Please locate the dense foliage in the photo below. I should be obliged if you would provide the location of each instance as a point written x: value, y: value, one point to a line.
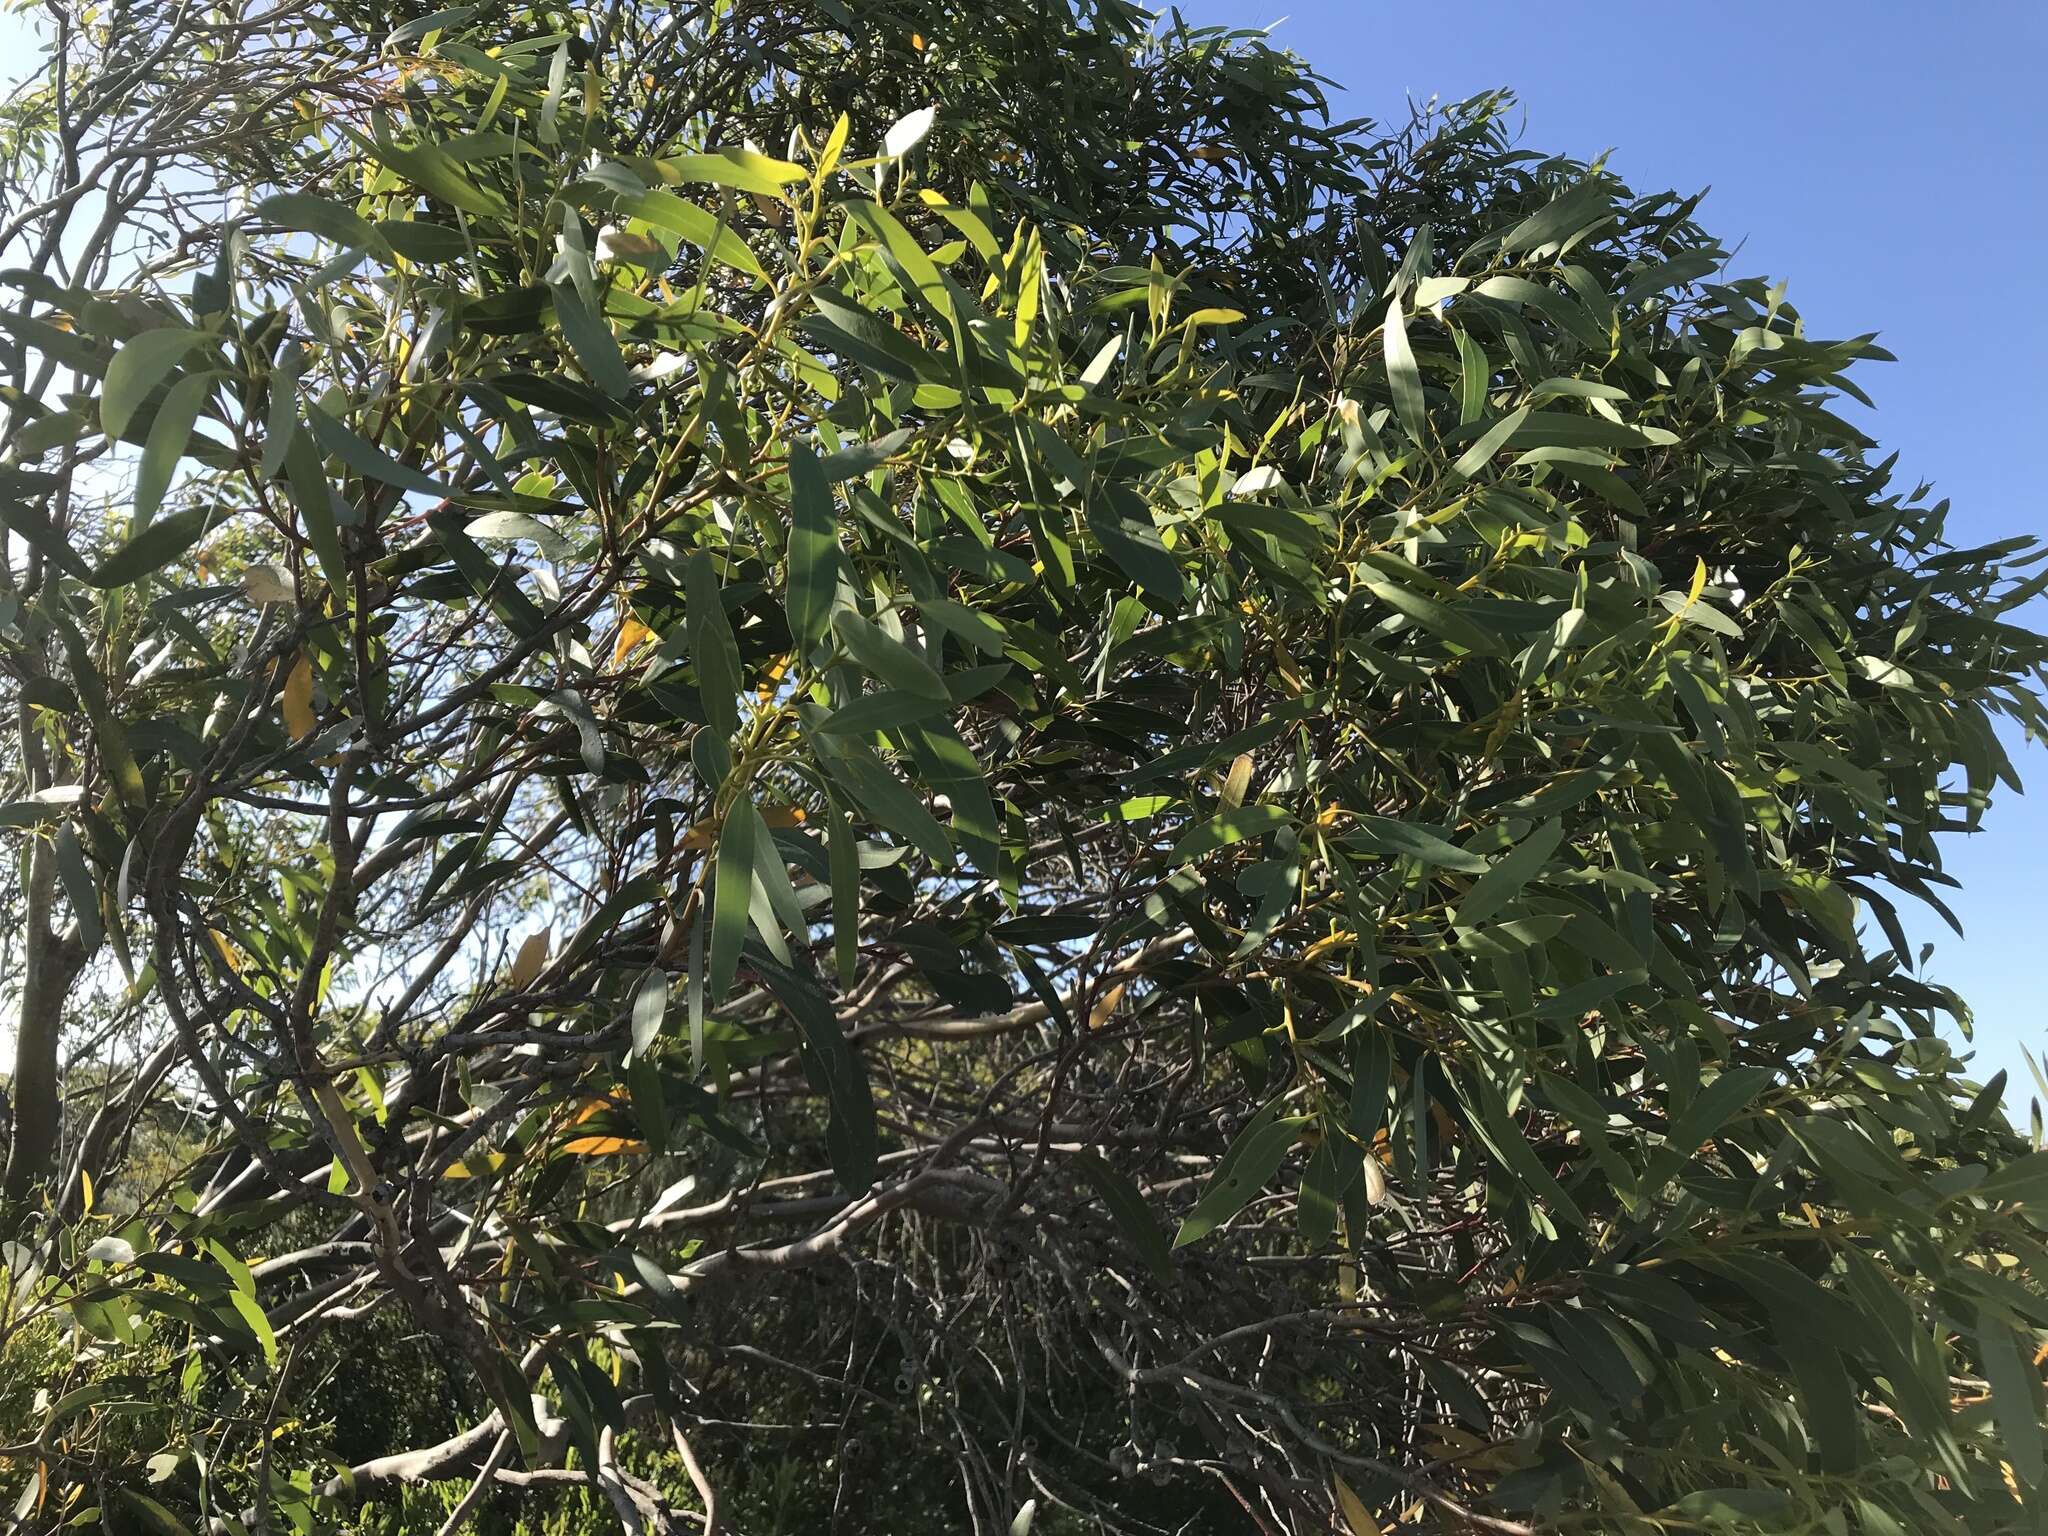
x: 863, y: 764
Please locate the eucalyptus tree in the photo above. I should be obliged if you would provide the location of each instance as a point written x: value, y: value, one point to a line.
x: 880, y: 764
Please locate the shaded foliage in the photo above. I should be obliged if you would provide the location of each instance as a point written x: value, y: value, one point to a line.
x: 896, y: 767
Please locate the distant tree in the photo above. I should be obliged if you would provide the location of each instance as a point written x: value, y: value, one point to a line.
x: 873, y: 765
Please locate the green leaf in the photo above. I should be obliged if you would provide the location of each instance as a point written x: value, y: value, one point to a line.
x: 319, y: 216
x: 41, y: 807
x: 885, y: 710
x: 1590, y: 1118
x: 1405, y: 840
x: 886, y: 658
x: 1748, y: 1508
x: 314, y: 498
x: 366, y: 458
x: 732, y: 894
x: 882, y: 795
x: 153, y: 548
x: 1583, y: 205
x: 282, y: 422
x: 1718, y: 1103
x: 259, y: 1324
x: 1229, y: 826
x: 664, y: 210
x: 83, y: 894
x: 57, y: 430
x: 948, y: 768
x: 650, y: 1007
x: 1481, y: 453
x: 26, y: 521
x: 1119, y: 520
x: 1505, y: 1140
x: 2023, y: 1181
x: 1403, y: 377
x: 815, y: 560
x: 1128, y: 1209
x: 417, y: 240
x: 835, y: 1071
x: 1504, y: 880
x: 596, y: 349
x: 2015, y: 1396
x: 713, y: 650
x: 1475, y: 376
x: 904, y: 250
x: 693, y: 992
x: 137, y: 369
x: 1254, y: 1157
x: 150, y: 1515
x: 168, y: 436
x: 434, y: 171
x: 1435, y: 617
x: 744, y: 170
x: 844, y: 853
x: 571, y: 705
x: 853, y: 333
x: 785, y: 912
x: 1833, y: 1416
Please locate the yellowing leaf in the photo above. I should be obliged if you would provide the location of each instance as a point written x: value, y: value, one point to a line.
x: 1353, y: 1509
x: 1375, y: 1181
x: 297, y: 700
x: 771, y: 679
x: 1239, y: 780
x: 475, y: 1165
x: 783, y: 815
x: 269, y: 584
x: 85, y: 1190
x: 1323, y: 946
x: 1105, y: 1005
x: 228, y: 952
x: 532, y: 956
x: 631, y: 633
x: 603, y: 1146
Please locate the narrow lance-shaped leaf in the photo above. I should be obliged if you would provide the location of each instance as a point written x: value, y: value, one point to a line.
x: 153, y: 548
x: 886, y: 658
x: 596, y: 349
x: 1404, y: 378
x: 1120, y: 1196
x: 1508, y: 874
x: 650, y: 1006
x: 1232, y: 825
x: 1252, y: 1160
x: 732, y: 893
x: 713, y: 651
x: 137, y: 369
x: 814, y: 556
x: 2015, y: 1396
x: 169, y: 434
x: 845, y: 867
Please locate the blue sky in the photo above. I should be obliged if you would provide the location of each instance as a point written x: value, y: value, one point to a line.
x: 1891, y: 161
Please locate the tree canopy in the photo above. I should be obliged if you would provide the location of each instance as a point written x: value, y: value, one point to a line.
x: 881, y: 765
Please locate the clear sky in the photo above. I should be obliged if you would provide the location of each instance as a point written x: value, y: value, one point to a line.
x: 1889, y: 159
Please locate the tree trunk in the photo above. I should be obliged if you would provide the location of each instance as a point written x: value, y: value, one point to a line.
x: 49, y: 968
